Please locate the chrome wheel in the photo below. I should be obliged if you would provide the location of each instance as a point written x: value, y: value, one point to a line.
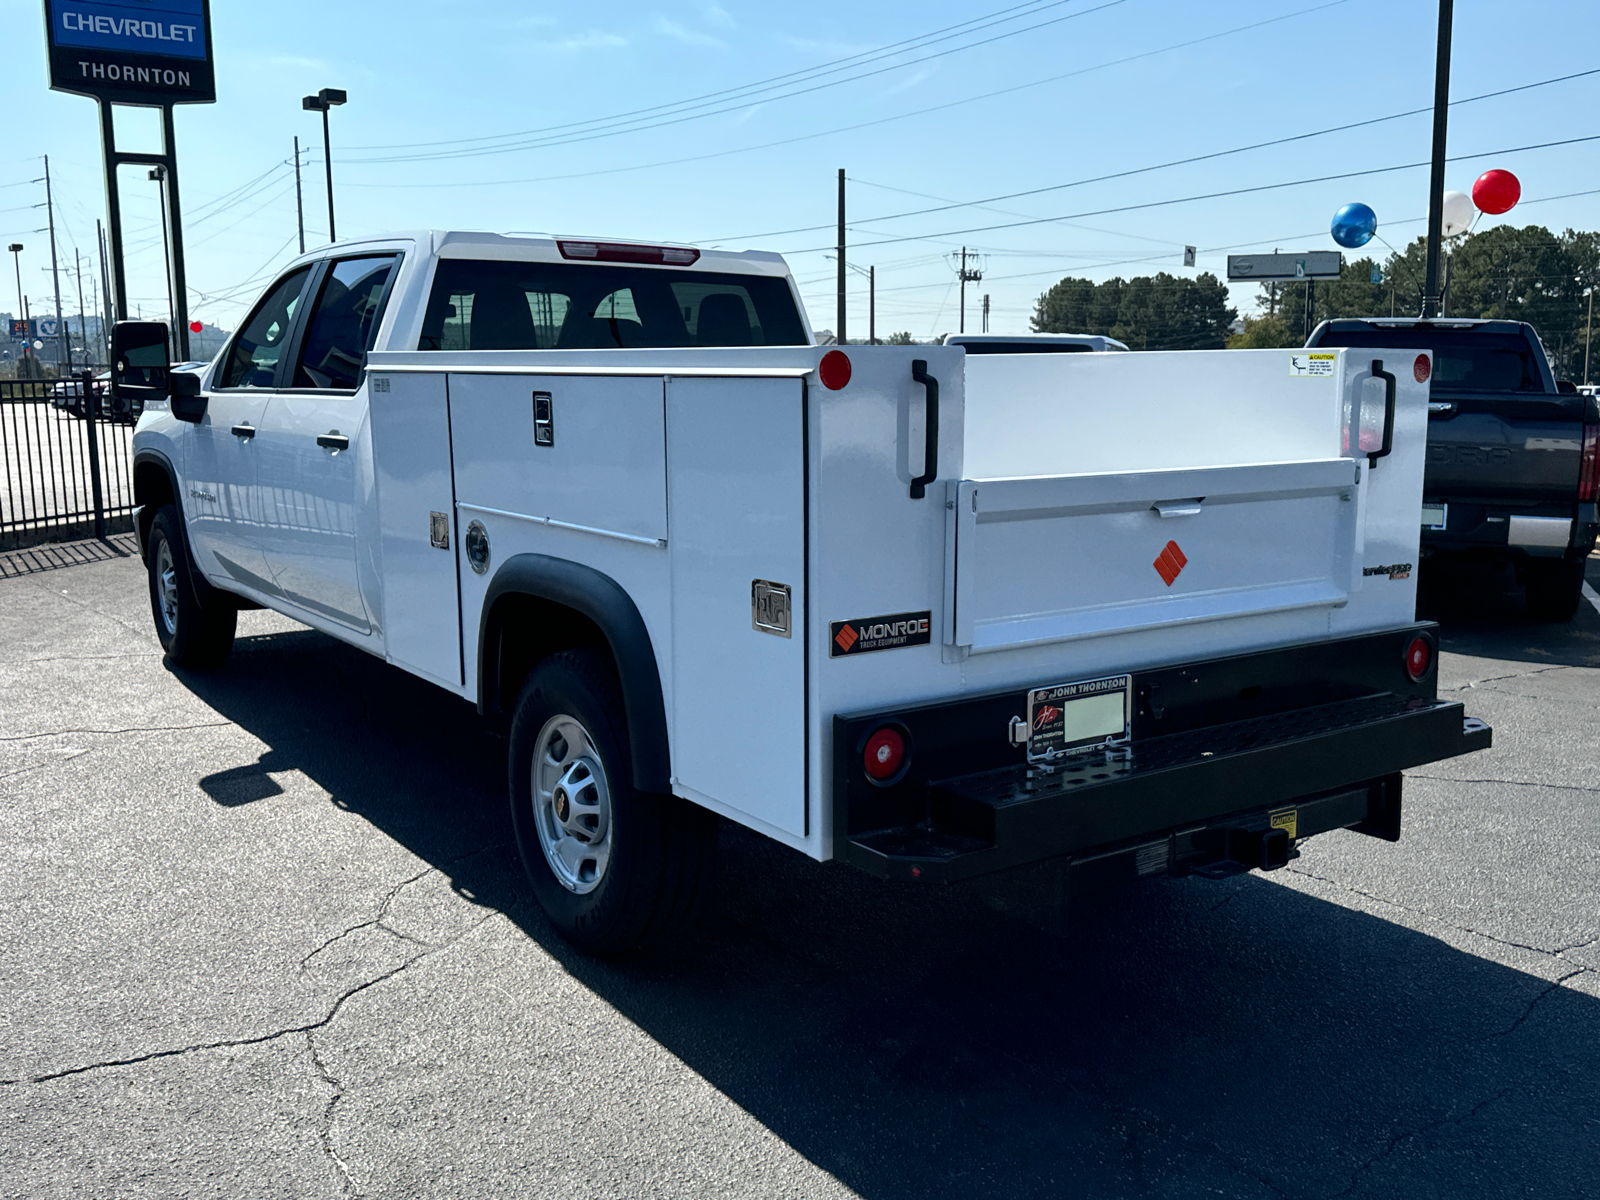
x: 167, y: 586
x: 571, y: 804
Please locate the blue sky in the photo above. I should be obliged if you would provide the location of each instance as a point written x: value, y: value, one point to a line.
x: 438, y: 80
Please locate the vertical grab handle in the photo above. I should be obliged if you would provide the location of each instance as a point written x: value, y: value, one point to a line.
x: 1388, y: 413
x: 930, y: 453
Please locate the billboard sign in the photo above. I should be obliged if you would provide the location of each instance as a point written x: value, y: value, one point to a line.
x: 151, y: 52
x: 20, y: 330
x: 1269, y: 268
x: 48, y: 327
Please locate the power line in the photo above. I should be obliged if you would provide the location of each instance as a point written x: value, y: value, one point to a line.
x: 984, y: 21
x: 821, y: 133
x: 639, y: 127
x: 1176, y: 162
x: 1244, y: 191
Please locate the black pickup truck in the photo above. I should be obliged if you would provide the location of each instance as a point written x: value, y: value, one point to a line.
x: 1513, y: 453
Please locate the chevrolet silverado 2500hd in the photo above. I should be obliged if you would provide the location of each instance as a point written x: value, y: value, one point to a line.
x: 926, y: 612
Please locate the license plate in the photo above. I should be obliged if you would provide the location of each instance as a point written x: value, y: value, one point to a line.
x: 1434, y: 515
x: 1069, y: 718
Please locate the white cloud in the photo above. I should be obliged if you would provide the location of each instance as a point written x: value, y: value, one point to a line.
x: 678, y: 31
x: 718, y: 16
x: 577, y: 43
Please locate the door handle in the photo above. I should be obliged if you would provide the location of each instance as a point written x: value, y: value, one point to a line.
x: 1388, y: 413
x: 244, y: 431
x: 930, y: 448
x: 1178, y: 508
x: 333, y: 440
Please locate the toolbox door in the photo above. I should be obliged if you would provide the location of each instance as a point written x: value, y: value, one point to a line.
x: 736, y: 505
x: 410, y: 415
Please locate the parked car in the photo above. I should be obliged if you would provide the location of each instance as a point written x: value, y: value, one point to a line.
x: 1513, y: 471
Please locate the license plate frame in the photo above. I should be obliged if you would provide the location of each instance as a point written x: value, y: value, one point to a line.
x: 1066, y: 719
x: 1444, y: 516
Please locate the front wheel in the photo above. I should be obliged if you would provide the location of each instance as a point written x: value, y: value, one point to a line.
x: 1554, y: 588
x: 193, y: 634
x: 615, y: 869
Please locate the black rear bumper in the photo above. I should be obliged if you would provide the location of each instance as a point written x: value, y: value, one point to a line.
x: 1188, y: 793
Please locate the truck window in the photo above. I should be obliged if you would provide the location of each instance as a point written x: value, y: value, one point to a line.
x: 253, y: 357
x: 344, y: 323
x: 581, y: 306
x: 1463, y: 360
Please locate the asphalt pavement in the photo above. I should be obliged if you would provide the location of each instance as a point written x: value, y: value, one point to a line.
x: 265, y: 935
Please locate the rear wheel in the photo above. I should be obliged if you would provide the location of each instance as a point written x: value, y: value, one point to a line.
x: 1554, y: 588
x: 194, y: 634
x: 615, y: 869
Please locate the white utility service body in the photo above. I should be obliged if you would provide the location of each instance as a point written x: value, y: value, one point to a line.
x: 1084, y: 517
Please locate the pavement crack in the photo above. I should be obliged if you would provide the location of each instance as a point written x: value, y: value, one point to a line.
x: 325, y: 1132
x: 1559, y: 787
x: 1428, y: 1127
x: 31, y: 737
x: 1534, y: 1003
x: 1467, y: 687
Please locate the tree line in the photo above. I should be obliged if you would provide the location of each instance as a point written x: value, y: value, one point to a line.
x: 1519, y: 274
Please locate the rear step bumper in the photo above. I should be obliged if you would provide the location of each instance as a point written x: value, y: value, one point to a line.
x: 1207, y: 799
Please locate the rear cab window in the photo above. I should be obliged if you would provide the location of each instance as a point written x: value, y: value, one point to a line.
x: 497, y: 305
x: 1464, y: 360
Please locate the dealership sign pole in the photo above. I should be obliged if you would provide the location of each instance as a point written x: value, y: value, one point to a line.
x: 156, y: 56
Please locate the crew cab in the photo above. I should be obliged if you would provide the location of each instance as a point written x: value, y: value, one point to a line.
x: 1513, y: 470
x: 925, y: 612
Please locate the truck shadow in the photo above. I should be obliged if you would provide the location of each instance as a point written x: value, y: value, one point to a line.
x: 1182, y: 1038
x: 1480, y: 612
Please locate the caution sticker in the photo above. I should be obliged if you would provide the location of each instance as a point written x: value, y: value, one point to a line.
x: 1314, y: 366
x: 1287, y: 819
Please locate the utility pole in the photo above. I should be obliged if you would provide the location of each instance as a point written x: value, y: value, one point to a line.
x: 966, y: 277
x: 16, y: 255
x: 83, y: 319
x: 1588, y: 332
x: 986, y: 312
x: 299, y: 204
x: 108, y: 310
x: 1441, y: 110
x: 872, y: 306
x: 55, y: 267
x: 839, y: 333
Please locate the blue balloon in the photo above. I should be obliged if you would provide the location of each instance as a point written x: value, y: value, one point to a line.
x: 1354, y: 225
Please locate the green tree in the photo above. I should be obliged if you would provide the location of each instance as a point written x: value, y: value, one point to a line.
x: 1159, y: 312
x: 1264, y: 333
x: 903, y: 338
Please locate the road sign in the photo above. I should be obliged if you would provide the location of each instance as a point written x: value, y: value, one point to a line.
x: 48, y: 327
x: 1188, y: 256
x: 19, y: 330
x: 157, y: 53
x: 1267, y: 268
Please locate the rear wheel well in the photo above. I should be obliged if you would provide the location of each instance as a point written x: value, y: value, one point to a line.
x: 522, y: 632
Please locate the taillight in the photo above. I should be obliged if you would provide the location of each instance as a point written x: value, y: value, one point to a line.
x: 1419, y: 658
x: 1589, y: 471
x: 834, y: 370
x: 671, y: 256
x: 884, y: 756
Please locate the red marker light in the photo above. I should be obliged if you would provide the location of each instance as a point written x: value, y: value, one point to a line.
x: 196, y: 326
x: 1419, y: 658
x: 885, y: 752
x: 630, y: 252
x: 1422, y: 368
x: 835, y: 370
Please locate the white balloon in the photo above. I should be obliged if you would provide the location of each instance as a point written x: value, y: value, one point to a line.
x: 1459, y: 211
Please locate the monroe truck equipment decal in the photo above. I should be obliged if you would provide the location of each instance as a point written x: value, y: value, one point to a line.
x: 881, y: 633
x: 1171, y: 563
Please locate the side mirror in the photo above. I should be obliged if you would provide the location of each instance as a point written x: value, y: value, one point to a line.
x: 139, y: 362
x: 1566, y: 387
x: 187, y: 402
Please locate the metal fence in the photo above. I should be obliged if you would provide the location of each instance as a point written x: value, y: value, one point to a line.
x: 68, y: 462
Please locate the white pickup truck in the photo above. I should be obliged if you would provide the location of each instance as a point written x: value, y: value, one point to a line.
x: 927, y: 612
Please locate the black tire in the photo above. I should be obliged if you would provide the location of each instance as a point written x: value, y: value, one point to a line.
x: 194, y: 634
x: 1554, y: 588
x: 657, y: 850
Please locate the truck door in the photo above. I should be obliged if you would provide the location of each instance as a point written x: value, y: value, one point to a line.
x: 313, y: 449
x: 224, y: 507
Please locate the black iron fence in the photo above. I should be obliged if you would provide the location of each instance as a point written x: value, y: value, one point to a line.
x: 67, y: 462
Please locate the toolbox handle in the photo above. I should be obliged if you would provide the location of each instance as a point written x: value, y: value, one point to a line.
x: 930, y: 453
x: 1388, y: 413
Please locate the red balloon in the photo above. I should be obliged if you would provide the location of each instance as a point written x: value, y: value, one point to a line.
x: 1496, y: 192
x: 196, y: 326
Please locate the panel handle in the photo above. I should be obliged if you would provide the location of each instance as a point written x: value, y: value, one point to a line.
x: 1388, y: 413
x: 930, y: 452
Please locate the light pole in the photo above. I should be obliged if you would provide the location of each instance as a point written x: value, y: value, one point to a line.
x: 16, y: 256
x: 324, y: 100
